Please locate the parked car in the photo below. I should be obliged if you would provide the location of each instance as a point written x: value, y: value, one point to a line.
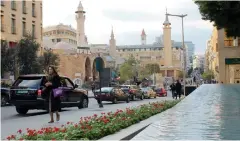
x: 161, y: 92
x: 26, y: 94
x: 4, y: 96
x: 148, y: 92
x: 133, y: 90
x: 111, y: 94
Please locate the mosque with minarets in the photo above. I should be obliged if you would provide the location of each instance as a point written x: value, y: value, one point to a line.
x: 77, y: 56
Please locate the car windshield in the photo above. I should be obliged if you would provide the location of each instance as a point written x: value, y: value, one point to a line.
x: 125, y: 87
x: 144, y: 89
x: 159, y: 90
x: 29, y: 82
x: 105, y: 90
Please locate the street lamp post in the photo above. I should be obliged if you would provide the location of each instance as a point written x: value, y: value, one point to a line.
x: 184, y: 50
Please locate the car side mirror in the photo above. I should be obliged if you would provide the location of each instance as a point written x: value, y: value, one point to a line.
x: 76, y: 86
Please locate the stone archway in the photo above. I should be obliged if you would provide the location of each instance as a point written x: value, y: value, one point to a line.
x: 95, y: 74
x: 87, y: 69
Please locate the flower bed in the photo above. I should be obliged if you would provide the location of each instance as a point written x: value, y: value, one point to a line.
x: 96, y: 127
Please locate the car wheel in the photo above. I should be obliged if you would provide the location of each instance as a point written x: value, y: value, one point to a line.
x: 21, y: 110
x: 142, y: 97
x: 114, y: 100
x: 133, y: 97
x: 155, y: 96
x: 83, y: 103
x: 128, y: 100
x: 4, y: 100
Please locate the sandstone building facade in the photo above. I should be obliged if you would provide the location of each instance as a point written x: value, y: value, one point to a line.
x: 223, y: 57
x: 19, y: 18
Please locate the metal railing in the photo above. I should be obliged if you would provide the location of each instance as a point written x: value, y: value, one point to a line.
x: 228, y: 43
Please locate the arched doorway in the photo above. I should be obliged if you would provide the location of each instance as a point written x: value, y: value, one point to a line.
x: 87, y: 69
x: 95, y: 73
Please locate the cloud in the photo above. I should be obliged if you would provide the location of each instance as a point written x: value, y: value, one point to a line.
x: 131, y: 16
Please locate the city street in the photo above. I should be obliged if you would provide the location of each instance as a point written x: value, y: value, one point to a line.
x: 11, y: 121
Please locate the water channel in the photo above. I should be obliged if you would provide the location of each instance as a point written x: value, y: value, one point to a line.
x: 211, y: 112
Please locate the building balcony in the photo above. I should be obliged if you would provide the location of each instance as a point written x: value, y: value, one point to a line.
x: 2, y: 3
x: 232, y: 43
x: 24, y: 34
x: 34, y: 13
x: 3, y: 28
x: 24, y: 10
x: 13, y: 5
x: 13, y: 30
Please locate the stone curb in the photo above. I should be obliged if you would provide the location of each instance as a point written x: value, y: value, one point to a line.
x: 131, y: 131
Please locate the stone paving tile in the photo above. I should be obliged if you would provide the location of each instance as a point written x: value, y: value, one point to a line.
x: 211, y: 112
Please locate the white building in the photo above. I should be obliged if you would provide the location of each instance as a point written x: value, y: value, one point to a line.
x: 190, y: 49
x: 199, y: 62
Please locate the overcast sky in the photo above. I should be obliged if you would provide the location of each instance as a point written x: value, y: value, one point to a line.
x: 128, y: 18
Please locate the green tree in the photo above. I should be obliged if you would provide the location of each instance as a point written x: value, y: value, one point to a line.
x: 27, y: 49
x: 128, y: 69
x: 180, y: 75
x: 7, y: 58
x: 152, y: 68
x: 126, y: 72
x: 208, y: 75
x: 48, y: 58
x: 224, y: 14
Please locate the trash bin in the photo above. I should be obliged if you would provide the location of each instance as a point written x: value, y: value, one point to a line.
x: 189, y: 89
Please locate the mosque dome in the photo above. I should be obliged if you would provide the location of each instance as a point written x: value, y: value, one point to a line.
x: 63, y: 46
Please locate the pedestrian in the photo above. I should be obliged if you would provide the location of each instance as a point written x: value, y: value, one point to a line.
x: 173, y: 88
x: 178, y: 89
x: 93, y: 86
x: 53, y: 82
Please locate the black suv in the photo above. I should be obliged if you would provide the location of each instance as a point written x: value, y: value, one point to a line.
x: 26, y: 94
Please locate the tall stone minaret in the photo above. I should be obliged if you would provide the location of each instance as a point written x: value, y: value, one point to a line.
x: 112, y: 45
x: 167, y: 42
x: 80, y: 18
x: 143, y: 38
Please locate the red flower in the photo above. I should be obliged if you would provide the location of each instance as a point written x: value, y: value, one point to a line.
x: 95, y: 115
x: 9, y: 138
x: 75, y: 125
x: 68, y: 122
x: 19, y: 131
x: 53, y: 139
x: 13, y: 136
x: 56, y: 129
x: 40, y: 132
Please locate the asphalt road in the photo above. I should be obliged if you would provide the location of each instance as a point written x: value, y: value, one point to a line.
x: 11, y: 121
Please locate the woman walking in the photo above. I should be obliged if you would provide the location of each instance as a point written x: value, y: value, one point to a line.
x: 53, y: 82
